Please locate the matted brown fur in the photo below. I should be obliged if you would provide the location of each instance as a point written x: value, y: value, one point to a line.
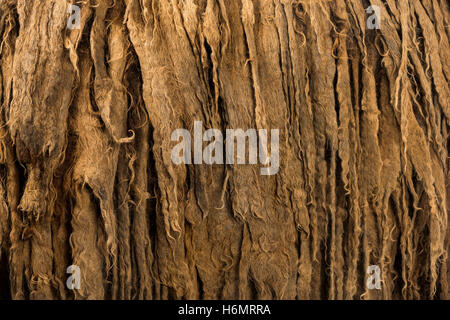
x: 86, y: 176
